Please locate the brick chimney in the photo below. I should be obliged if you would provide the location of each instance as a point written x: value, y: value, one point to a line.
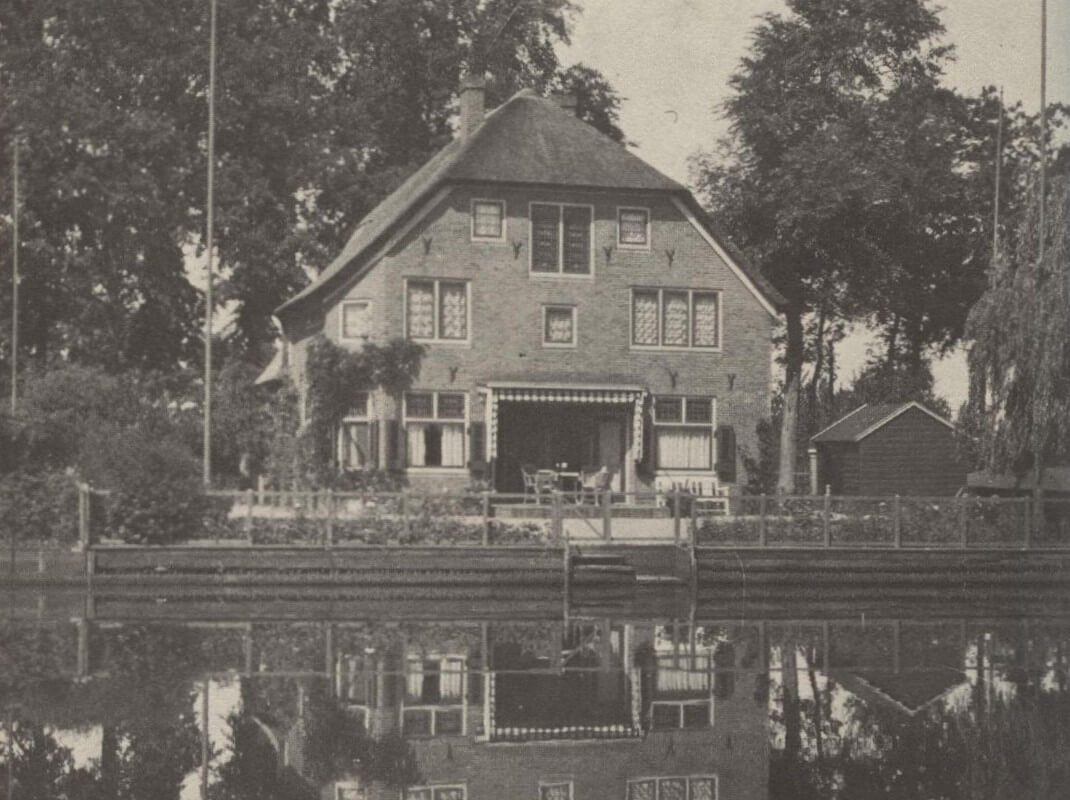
x: 473, y: 98
x: 567, y: 101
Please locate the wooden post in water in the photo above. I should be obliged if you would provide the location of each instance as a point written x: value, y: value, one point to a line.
x: 607, y: 514
x: 897, y: 521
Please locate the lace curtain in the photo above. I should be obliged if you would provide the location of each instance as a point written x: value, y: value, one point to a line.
x: 684, y: 448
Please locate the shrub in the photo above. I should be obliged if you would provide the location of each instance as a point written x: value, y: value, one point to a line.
x: 39, y: 507
x: 155, y: 486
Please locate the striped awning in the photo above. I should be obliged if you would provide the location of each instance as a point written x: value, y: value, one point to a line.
x: 633, y: 395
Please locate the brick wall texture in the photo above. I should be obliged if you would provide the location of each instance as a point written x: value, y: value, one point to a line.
x: 505, y: 338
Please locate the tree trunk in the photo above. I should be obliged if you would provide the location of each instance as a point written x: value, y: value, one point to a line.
x: 819, y: 364
x: 792, y: 712
x: 790, y: 422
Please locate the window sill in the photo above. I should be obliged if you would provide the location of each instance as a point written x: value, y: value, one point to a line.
x: 660, y: 348
x: 480, y: 240
x: 634, y: 248
x: 567, y: 276
x: 437, y: 470
x: 446, y: 342
x: 551, y: 346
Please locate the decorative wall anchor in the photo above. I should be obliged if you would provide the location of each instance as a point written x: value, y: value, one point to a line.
x: 673, y: 375
x: 731, y: 380
x: 453, y: 373
x: 670, y: 254
x: 427, y: 244
x: 608, y: 250
x: 516, y: 248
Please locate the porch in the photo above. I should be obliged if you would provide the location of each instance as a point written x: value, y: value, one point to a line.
x: 571, y: 429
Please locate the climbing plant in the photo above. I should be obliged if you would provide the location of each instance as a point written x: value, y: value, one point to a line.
x: 334, y: 376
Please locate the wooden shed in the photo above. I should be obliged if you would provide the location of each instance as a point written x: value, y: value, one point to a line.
x: 887, y: 449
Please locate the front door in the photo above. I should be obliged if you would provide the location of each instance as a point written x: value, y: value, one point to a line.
x: 611, y: 451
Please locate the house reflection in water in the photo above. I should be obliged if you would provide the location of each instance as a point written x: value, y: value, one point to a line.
x: 595, y: 709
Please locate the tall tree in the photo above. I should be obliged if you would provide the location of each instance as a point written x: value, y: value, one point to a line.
x: 323, y: 106
x: 1020, y: 356
x: 840, y: 171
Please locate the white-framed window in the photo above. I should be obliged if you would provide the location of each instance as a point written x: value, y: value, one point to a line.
x: 437, y: 310
x: 356, y: 436
x: 561, y: 239
x: 350, y: 791
x: 457, y: 791
x: 435, y: 695
x: 633, y: 228
x: 555, y: 790
x: 682, y: 787
x: 488, y: 220
x: 355, y: 320
x: 435, y: 425
x: 559, y: 326
x: 666, y: 715
x: 683, y: 432
x: 676, y: 318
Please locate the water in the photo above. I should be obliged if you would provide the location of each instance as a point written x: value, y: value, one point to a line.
x: 327, y: 697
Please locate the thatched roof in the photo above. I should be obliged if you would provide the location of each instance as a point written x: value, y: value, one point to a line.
x: 528, y: 140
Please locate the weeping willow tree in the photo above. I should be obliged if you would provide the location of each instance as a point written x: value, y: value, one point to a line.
x: 1020, y: 358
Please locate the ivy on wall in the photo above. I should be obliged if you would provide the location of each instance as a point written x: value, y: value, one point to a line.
x: 335, y: 375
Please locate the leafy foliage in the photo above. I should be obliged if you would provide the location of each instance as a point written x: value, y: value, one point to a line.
x: 1020, y: 358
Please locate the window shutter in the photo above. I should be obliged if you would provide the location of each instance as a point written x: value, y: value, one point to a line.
x: 372, y: 462
x: 394, y: 447
x: 476, y: 442
x: 726, y: 453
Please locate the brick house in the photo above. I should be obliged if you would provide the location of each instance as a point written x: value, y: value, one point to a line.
x: 553, y: 722
x: 578, y: 308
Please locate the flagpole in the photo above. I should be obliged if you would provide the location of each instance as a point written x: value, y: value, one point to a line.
x: 207, y: 466
x: 15, y: 277
x: 995, y: 203
x: 1043, y: 121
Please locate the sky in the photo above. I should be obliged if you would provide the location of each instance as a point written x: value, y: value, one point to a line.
x: 671, y: 59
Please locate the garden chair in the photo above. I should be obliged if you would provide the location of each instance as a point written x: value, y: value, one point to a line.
x: 593, y: 482
x: 528, y: 472
x: 545, y: 483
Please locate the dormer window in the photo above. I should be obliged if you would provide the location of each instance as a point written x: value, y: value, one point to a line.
x: 633, y: 228
x: 488, y: 221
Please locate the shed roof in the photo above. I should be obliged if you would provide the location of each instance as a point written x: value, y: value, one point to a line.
x: 868, y: 418
x: 527, y: 140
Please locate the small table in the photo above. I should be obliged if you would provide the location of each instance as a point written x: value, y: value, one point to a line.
x: 568, y: 481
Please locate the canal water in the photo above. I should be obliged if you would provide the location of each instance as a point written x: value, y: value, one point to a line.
x: 306, y: 696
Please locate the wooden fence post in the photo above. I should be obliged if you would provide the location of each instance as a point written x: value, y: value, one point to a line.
x: 404, y: 501
x: 607, y: 514
x: 825, y: 515
x: 963, y: 527
x: 676, y: 514
x: 248, y: 512
x: 694, y: 519
x: 761, y: 520
x: 557, y: 523
x: 486, y: 518
x: 261, y: 486
x: 897, y: 521
x: 83, y: 516
x: 329, y: 530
